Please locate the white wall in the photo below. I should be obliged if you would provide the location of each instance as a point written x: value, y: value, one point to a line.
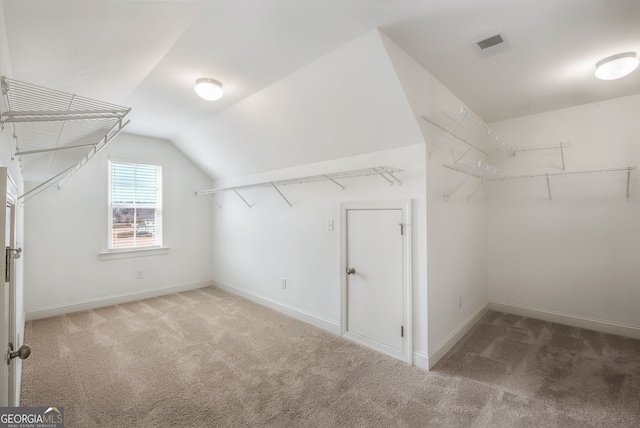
x: 66, y: 230
x: 574, y: 259
x: 254, y: 248
x: 327, y: 107
x: 456, y: 249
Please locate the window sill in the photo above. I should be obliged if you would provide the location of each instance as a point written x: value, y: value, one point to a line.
x: 138, y: 252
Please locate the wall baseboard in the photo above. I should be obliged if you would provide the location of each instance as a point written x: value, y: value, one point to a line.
x: 568, y: 319
x: 421, y: 360
x: 453, y: 338
x: 300, y: 314
x: 50, y: 311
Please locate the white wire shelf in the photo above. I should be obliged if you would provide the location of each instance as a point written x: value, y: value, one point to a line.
x: 479, y: 170
x: 466, y: 128
x: 487, y: 173
x: 56, y: 133
x: 385, y: 172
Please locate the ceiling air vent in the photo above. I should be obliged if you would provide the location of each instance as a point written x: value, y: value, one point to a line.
x: 491, y: 41
x: 493, y: 44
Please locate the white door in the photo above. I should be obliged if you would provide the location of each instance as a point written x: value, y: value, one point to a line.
x: 376, y: 293
x: 8, y: 327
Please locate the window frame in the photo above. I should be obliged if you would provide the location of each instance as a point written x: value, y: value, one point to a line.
x: 158, y: 206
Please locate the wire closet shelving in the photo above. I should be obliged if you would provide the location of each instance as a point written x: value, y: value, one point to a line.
x: 466, y: 129
x: 386, y: 172
x: 56, y: 133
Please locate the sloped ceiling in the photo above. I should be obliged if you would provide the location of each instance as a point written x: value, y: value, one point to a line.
x: 346, y: 103
x: 148, y: 54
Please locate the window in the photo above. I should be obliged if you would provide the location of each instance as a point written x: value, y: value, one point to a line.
x: 135, y: 206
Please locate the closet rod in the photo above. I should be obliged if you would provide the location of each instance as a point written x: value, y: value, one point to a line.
x: 55, y: 113
x: 627, y: 169
x: 558, y: 145
x: 487, y: 173
x: 58, y: 118
x: 384, y: 171
x: 54, y: 149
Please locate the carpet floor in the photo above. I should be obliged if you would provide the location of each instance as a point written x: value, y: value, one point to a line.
x: 205, y: 358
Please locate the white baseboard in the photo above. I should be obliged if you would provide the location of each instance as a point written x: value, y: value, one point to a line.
x: 453, y: 338
x: 421, y: 360
x: 603, y: 326
x: 300, y: 314
x: 83, y: 305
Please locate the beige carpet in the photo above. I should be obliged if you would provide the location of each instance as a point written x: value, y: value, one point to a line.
x: 205, y: 358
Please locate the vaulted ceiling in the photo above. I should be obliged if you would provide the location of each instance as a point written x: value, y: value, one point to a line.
x: 147, y: 54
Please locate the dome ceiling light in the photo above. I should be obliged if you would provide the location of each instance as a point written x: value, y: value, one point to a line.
x: 209, y: 89
x: 617, y: 66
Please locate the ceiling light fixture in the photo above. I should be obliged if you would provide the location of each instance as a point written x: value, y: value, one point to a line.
x: 209, y: 89
x: 616, y: 66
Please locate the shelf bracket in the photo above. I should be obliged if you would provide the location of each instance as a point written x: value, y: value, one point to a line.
x: 43, y: 186
x: 243, y: 199
x: 96, y: 149
x: 562, y: 156
x: 455, y: 161
x: 628, y: 181
x: 467, y: 176
x: 443, y: 139
x: 333, y: 181
x: 394, y: 177
x: 475, y: 191
x: 548, y: 187
x: 381, y: 173
x: 279, y: 192
x: 211, y: 198
x: 221, y: 200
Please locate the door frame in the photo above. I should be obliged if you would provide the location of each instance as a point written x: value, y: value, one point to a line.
x: 407, y: 292
x: 15, y: 366
x: 8, y: 322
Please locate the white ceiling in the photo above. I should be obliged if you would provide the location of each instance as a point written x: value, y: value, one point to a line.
x: 147, y: 54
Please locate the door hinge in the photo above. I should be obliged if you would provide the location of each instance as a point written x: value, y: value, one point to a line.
x: 10, y: 253
x: 401, y: 228
x: 401, y: 331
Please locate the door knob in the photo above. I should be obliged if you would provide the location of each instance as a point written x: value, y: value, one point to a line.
x: 351, y: 271
x: 22, y: 353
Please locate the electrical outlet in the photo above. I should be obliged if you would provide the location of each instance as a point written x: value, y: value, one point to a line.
x: 140, y: 273
x: 459, y: 300
x: 283, y: 283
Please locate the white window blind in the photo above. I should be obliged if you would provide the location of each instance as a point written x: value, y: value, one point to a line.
x: 135, y: 205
